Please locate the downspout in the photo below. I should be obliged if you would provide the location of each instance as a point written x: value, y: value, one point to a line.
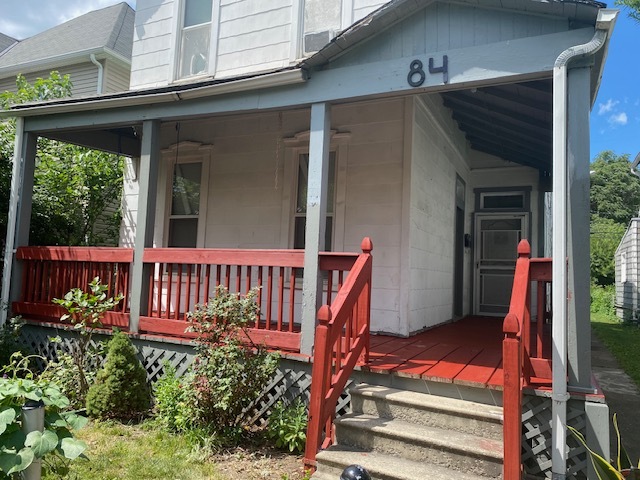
x: 92, y: 57
x: 560, y: 394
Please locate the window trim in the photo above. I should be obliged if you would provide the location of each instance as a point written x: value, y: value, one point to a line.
x: 175, y: 57
x: 294, y: 147
x: 187, y: 152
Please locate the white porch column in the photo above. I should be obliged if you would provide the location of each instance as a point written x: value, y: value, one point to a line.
x: 148, y: 178
x: 316, y: 220
x: 19, y: 217
x: 578, y: 213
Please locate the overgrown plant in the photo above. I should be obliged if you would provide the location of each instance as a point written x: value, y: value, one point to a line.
x: 121, y: 390
x: 85, y: 312
x: 229, y: 372
x: 288, y: 426
x: 10, y: 339
x: 172, y: 411
x: 620, y: 468
x: 55, y: 446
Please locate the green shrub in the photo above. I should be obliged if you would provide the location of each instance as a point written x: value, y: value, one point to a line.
x: 602, y: 299
x: 288, y: 426
x: 229, y: 373
x: 121, y: 390
x: 10, y: 340
x: 171, y: 408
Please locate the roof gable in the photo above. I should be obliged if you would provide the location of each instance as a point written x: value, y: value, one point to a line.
x: 5, y: 42
x: 110, y: 27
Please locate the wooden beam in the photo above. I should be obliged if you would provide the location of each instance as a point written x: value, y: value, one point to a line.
x: 107, y: 141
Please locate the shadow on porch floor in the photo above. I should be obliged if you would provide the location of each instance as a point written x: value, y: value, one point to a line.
x: 467, y: 352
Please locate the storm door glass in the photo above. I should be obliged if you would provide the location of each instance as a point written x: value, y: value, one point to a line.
x: 185, y: 205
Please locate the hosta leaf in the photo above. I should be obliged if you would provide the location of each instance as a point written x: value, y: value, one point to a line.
x: 12, y: 462
x: 41, y: 442
x: 72, y: 447
x: 7, y: 416
x: 75, y: 421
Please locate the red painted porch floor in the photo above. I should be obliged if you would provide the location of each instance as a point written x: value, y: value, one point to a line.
x: 467, y: 352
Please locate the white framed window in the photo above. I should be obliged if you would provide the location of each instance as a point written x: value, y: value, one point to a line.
x: 300, y: 213
x: 183, y: 217
x: 195, y: 33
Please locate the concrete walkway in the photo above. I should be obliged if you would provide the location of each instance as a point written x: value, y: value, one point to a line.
x: 622, y: 396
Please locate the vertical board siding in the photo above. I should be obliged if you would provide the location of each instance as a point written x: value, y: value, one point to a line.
x: 443, y: 26
x: 434, y: 165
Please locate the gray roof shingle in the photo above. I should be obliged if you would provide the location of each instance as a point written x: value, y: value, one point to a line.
x: 110, y: 27
x: 5, y: 42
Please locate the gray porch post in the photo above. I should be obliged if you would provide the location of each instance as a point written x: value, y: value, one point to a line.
x: 578, y: 312
x: 316, y: 220
x: 19, y: 218
x: 148, y: 175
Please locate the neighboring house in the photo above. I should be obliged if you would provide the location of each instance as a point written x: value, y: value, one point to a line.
x: 437, y: 129
x: 93, y: 49
x: 627, y: 257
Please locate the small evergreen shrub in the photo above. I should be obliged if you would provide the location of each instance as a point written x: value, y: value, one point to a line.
x: 121, y: 390
x: 10, y: 340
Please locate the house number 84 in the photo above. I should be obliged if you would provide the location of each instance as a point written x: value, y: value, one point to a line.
x: 417, y: 75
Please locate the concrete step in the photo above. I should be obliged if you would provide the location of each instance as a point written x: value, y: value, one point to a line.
x: 429, y: 410
x: 454, y: 450
x: 331, y: 463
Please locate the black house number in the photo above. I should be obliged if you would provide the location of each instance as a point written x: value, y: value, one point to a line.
x: 417, y: 75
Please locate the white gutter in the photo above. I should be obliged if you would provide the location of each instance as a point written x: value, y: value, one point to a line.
x: 16, y: 180
x: 604, y: 25
x: 277, y: 79
x: 92, y: 57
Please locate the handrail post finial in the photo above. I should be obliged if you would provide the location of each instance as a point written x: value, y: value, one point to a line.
x: 366, y: 245
x: 524, y: 249
x: 325, y: 315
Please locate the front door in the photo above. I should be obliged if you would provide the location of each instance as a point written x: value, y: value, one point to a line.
x: 497, y: 237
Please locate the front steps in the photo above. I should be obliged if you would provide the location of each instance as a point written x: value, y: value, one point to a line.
x: 404, y: 435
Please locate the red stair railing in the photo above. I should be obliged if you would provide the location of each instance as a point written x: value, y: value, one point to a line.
x: 341, y: 341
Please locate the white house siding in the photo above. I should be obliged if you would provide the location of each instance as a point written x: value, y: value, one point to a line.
x: 116, y: 77
x: 84, y: 77
x: 153, y: 43
x: 253, y: 36
x: 438, y: 153
x: 626, y: 297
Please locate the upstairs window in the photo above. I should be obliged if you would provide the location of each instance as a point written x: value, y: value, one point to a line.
x: 195, y: 38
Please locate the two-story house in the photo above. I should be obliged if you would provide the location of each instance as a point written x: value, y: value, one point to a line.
x: 264, y: 134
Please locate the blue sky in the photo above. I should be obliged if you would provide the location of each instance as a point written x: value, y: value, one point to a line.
x: 615, y: 118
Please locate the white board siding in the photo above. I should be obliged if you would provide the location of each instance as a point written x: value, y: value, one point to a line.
x: 84, y: 77
x: 438, y: 153
x: 443, y: 26
x: 116, y: 77
x: 253, y: 36
x: 153, y: 43
x: 362, y: 8
x: 627, y: 300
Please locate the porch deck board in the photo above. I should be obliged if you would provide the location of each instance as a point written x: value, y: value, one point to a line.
x: 467, y: 352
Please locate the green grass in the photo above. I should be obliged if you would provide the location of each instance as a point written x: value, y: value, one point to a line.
x: 124, y: 452
x: 622, y: 340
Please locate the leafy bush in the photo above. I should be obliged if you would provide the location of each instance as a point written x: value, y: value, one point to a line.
x: 55, y: 446
x: 121, y: 390
x: 229, y: 372
x: 602, y: 299
x: 171, y: 409
x: 288, y: 426
x: 10, y: 340
x: 85, y: 312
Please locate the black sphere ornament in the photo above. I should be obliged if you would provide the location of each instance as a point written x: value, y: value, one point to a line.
x: 355, y: 472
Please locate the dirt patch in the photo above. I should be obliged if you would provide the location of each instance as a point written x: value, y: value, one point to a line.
x: 259, y: 463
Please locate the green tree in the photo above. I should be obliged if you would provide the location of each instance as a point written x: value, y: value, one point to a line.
x: 615, y: 191
x: 74, y: 186
x: 633, y: 6
x: 605, y: 237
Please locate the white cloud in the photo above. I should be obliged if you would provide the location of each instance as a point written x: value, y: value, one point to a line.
x: 607, y: 107
x: 618, y: 119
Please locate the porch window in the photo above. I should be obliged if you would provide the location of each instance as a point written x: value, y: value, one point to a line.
x: 195, y: 38
x: 185, y: 205
x: 300, y: 216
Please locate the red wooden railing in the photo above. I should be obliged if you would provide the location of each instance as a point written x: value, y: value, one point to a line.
x: 525, y: 354
x: 183, y: 278
x: 50, y: 272
x: 342, y: 339
x: 180, y: 279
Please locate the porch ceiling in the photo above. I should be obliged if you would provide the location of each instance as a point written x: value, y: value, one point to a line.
x: 513, y: 122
